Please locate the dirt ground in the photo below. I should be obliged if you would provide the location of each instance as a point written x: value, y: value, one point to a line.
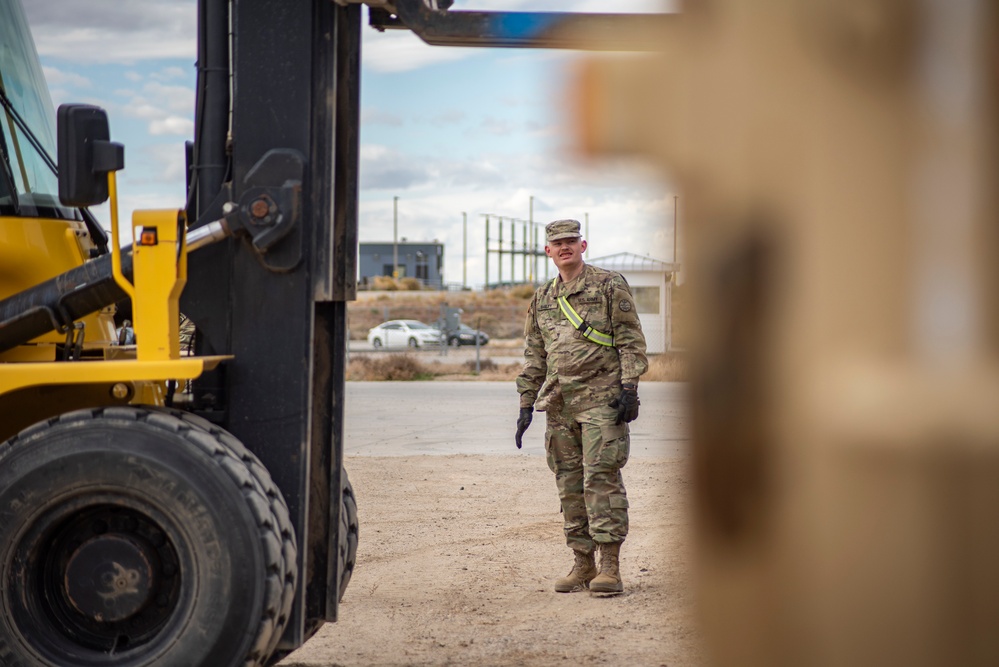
x: 457, y: 557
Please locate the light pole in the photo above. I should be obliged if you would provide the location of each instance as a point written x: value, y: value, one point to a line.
x: 395, y: 237
x: 534, y: 231
x: 486, y: 286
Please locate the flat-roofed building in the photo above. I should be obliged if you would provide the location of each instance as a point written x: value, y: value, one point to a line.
x: 423, y: 260
x: 651, y: 281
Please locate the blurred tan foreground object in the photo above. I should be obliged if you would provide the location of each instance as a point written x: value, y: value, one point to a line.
x: 837, y: 160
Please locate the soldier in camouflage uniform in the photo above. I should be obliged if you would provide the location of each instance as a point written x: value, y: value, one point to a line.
x: 583, y: 358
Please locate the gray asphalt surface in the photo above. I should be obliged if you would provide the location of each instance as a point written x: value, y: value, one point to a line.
x: 407, y: 418
x: 498, y: 354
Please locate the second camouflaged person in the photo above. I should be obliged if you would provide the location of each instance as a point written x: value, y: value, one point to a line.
x: 584, y: 354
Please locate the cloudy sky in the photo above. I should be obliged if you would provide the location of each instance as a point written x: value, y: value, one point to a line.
x: 447, y: 130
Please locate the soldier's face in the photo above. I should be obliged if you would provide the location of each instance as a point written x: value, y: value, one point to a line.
x: 566, y: 253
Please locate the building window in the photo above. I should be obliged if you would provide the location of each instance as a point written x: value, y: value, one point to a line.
x: 647, y: 299
x: 387, y: 270
x: 422, y: 272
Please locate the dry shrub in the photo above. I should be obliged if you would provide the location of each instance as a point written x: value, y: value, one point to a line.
x: 668, y: 367
x: 484, y: 365
x: 410, y: 284
x: 506, y: 372
x: 406, y: 368
x: 508, y: 344
x: 494, y: 297
x: 525, y: 291
x: 397, y: 367
x: 490, y: 372
x: 384, y: 283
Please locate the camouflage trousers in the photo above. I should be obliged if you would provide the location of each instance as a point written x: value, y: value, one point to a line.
x: 586, y: 450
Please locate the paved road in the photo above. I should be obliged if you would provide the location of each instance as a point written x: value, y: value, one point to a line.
x: 498, y: 354
x: 405, y: 418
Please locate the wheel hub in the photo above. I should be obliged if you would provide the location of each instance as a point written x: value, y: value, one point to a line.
x: 109, y: 578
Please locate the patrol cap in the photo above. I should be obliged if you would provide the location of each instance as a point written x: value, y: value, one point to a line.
x: 562, y: 229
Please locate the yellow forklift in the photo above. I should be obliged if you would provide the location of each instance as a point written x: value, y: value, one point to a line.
x: 168, y: 504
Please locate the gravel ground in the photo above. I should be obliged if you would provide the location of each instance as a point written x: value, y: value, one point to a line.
x: 458, y: 551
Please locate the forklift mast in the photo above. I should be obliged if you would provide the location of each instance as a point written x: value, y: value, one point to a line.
x: 291, y: 141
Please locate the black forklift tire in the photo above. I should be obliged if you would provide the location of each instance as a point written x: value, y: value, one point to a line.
x: 348, y: 533
x: 347, y: 555
x: 132, y: 536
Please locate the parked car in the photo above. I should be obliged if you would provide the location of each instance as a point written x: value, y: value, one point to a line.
x: 465, y: 335
x: 403, y: 333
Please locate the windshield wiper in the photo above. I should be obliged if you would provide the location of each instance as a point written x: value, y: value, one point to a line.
x: 7, y: 185
x: 23, y: 126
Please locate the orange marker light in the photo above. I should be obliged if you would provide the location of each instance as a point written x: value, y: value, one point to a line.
x: 148, y: 236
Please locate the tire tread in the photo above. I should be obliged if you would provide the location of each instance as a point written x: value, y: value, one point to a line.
x: 277, y: 534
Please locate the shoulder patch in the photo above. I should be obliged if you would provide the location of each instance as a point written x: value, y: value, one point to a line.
x: 624, y: 305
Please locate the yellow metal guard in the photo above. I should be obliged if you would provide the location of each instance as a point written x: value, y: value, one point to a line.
x: 159, y: 271
x: 159, y: 261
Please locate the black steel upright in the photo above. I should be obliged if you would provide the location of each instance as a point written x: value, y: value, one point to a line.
x: 282, y: 313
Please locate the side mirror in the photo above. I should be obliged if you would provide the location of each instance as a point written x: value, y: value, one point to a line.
x: 85, y: 154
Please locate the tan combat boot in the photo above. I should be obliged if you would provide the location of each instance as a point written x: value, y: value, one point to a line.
x: 584, y: 569
x: 609, y: 579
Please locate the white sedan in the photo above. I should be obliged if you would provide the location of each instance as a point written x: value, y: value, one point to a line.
x: 403, y: 333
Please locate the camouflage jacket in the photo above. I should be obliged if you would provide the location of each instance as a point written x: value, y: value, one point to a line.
x: 560, y: 362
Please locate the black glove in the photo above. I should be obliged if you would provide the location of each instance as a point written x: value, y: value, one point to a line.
x: 523, y: 421
x: 627, y: 404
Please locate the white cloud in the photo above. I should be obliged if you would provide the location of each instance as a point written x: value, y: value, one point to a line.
x: 110, y: 31
x: 373, y: 151
x: 85, y: 45
x: 58, y: 77
x: 384, y: 169
x: 65, y: 95
x: 174, y: 98
x: 449, y: 118
x: 402, y: 51
x: 169, y: 74
x: 172, y: 125
x: 499, y: 127
x: 167, y: 108
x: 371, y: 116
x: 171, y: 165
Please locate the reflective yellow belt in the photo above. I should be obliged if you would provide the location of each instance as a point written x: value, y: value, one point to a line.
x: 581, y: 325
